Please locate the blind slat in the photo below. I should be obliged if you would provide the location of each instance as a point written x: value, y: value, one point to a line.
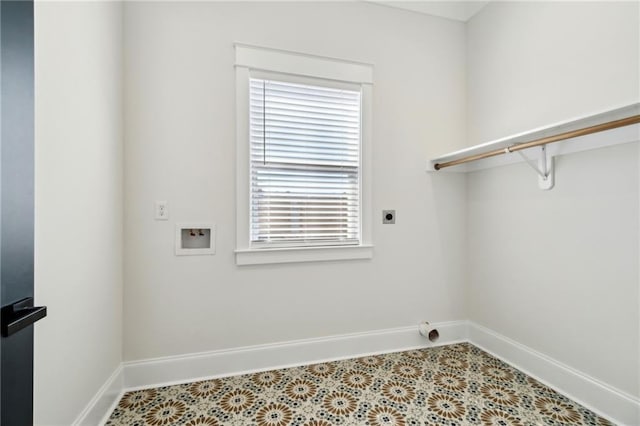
x: 314, y: 198
x: 278, y: 146
x: 257, y: 137
x: 306, y: 127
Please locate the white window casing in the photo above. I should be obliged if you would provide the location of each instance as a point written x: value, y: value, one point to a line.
x: 303, y: 153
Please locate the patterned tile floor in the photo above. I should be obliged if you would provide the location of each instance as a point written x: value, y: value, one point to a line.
x: 451, y: 385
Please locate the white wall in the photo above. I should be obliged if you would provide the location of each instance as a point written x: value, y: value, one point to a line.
x: 558, y: 270
x: 78, y: 204
x: 180, y: 147
x: 532, y: 64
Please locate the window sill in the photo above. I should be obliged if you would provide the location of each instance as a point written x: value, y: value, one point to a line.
x: 302, y: 254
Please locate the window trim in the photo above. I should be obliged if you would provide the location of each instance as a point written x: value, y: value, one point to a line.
x: 251, y: 59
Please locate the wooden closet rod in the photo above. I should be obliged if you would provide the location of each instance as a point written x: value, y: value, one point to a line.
x: 543, y: 141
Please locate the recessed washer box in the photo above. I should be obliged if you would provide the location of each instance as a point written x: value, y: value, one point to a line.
x: 195, y: 239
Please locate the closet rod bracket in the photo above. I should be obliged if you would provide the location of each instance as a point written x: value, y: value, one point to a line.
x: 544, y: 168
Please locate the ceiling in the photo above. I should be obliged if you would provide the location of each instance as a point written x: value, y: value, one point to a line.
x: 452, y: 9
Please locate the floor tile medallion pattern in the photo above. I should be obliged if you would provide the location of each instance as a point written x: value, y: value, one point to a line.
x: 451, y: 385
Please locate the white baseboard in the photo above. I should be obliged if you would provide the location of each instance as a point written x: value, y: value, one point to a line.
x: 103, y: 402
x: 606, y: 401
x: 193, y: 367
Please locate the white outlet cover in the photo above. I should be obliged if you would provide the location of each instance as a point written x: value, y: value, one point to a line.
x: 161, y: 210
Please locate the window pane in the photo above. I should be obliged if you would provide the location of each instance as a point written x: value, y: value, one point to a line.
x: 305, y: 160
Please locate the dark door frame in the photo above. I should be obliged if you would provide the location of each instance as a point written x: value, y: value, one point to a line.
x: 17, y: 212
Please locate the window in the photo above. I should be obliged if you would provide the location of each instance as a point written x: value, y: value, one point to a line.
x: 305, y: 164
x: 303, y: 157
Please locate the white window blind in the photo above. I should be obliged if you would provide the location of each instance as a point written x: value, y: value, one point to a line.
x: 305, y: 164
